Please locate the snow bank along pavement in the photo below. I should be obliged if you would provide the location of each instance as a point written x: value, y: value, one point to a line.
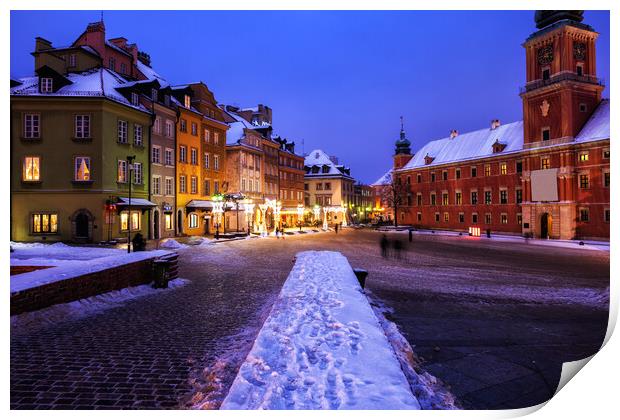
x: 321, y: 347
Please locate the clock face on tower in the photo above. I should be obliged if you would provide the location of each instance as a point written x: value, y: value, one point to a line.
x: 579, y: 51
x: 545, y: 54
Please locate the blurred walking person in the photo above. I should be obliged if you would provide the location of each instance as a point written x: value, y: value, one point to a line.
x: 384, y: 246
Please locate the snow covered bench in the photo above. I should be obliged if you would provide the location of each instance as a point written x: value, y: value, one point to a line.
x: 321, y: 347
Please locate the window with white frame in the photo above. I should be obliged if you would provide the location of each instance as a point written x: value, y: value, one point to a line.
x: 169, y: 157
x: 216, y: 138
x: 216, y: 162
x: 137, y: 134
x: 32, y: 126
x: 194, y: 156
x: 206, y: 160
x: 135, y: 99
x: 81, y: 168
x: 169, y: 186
x: 169, y: 129
x: 156, y: 154
x: 82, y: 126
x: 122, y: 131
x: 157, y: 125
x: 47, y: 85
x: 156, y: 186
x: 487, y: 218
x: 44, y: 222
x: 207, y: 135
x: 121, y: 171
x: 137, y: 173
x: 183, y: 184
x: 193, y: 220
x: 194, y: 185
x: 183, y: 154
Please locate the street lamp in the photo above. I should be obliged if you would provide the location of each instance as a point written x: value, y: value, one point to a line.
x: 276, y: 213
x: 248, y: 207
x: 300, y: 215
x: 218, y: 209
x: 130, y: 160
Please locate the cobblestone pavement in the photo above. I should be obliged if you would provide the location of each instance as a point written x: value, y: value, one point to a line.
x: 148, y: 352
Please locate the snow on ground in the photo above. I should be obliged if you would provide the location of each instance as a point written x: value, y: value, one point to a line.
x: 88, y: 306
x: 574, y: 244
x: 69, y: 262
x: 430, y: 391
x: 171, y: 244
x: 321, y: 347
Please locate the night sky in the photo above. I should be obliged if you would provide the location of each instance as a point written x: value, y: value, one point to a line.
x: 338, y: 80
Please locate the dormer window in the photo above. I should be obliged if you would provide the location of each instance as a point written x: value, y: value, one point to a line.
x: 46, y: 85
x: 134, y: 98
x: 154, y: 95
x: 498, y: 147
x: 123, y: 68
x: 188, y: 101
x: 428, y: 159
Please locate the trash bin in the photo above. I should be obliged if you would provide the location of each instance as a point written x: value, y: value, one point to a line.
x: 488, y: 233
x: 160, y: 274
x: 361, y: 275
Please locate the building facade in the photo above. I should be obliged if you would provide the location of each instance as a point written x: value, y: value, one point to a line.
x: 546, y: 176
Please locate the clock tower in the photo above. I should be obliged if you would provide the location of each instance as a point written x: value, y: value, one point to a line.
x: 561, y: 89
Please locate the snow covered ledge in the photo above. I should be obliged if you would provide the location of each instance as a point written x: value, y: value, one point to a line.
x: 321, y: 347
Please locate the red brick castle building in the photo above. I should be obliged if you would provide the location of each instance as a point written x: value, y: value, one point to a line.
x: 547, y: 175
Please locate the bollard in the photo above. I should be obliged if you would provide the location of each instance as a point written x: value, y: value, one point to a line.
x: 410, y: 235
x: 361, y: 275
x: 488, y: 233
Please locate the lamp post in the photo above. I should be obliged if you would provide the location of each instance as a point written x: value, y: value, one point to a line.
x: 218, y: 209
x: 130, y: 160
x: 300, y: 215
x: 276, y: 214
x: 262, y: 227
x: 317, y: 213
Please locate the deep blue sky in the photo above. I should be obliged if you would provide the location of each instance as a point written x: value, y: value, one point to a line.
x: 338, y: 80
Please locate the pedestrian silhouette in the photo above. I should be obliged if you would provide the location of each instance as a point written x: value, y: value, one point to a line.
x: 336, y: 227
x: 384, y: 246
x: 398, y: 246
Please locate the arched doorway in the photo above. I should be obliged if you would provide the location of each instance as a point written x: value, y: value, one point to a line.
x: 546, y: 223
x: 82, y: 225
x: 156, y: 224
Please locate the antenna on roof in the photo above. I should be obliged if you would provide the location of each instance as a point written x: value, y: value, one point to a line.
x: 102, y: 16
x: 401, y: 123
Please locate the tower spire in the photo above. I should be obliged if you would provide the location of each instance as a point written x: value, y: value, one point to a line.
x: 403, y: 145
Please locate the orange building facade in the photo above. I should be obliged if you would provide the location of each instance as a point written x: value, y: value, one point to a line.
x: 546, y: 176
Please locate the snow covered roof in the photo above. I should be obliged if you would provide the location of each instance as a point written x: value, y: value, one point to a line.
x: 236, y: 132
x: 200, y: 204
x: 149, y: 73
x: 386, y: 179
x: 100, y: 82
x: 319, y: 158
x: 479, y: 144
x: 597, y: 127
x: 138, y: 202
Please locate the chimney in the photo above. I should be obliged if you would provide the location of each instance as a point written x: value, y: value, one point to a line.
x: 495, y: 124
x: 144, y: 58
x: 119, y: 42
x: 454, y: 133
x: 94, y: 36
x: 42, y: 44
x: 133, y: 50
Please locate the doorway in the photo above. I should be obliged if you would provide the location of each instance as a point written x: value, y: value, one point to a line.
x: 81, y: 226
x: 546, y: 224
x: 156, y: 224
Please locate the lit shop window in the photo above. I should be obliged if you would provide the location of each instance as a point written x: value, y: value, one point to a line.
x: 193, y: 220
x: 82, y: 168
x: 168, y: 221
x: 31, y: 168
x: 44, y: 223
x: 135, y: 220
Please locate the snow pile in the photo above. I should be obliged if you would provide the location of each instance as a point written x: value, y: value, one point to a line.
x: 430, y: 391
x: 321, y: 347
x: 171, y: 244
x: 56, y: 254
x: 77, y: 267
x: 85, y: 307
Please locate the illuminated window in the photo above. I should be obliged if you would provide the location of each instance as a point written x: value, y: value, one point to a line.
x: 503, y: 169
x: 487, y: 170
x: 584, y: 156
x: 544, y: 163
x: 519, y: 219
x: 446, y: 217
x: 444, y: 199
x: 135, y: 220
x: 82, y: 126
x: 44, y: 223
x: 121, y: 171
x: 187, y: 101
x: 31, y: 168
x: 82, y: 168
x: 504, y: 218
x: 168, y: 221
x: 458, y: 198
x: 193, y: 220
x: 32, y: 126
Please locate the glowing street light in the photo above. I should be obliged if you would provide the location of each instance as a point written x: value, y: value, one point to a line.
x: 218, y: 209
x: 248, y: 208
x: 300, y: 215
